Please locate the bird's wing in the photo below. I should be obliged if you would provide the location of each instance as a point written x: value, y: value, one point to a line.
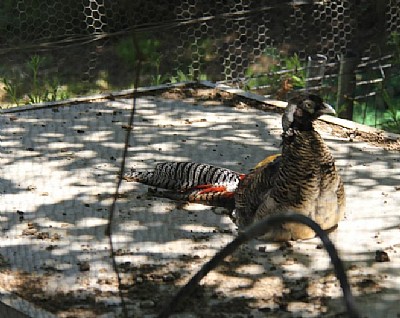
x: 253, y: 188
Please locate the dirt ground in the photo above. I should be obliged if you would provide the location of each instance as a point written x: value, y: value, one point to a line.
x: 58, y: 179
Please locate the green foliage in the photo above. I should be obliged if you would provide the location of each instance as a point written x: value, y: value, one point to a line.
x: 298, y: 77
x: 384, y: 111
x: 149, y: 48
x: 275, y: 71
x: 179, y: 77
x: 33, y: 65
x: 206, y: 49
x: 393, y: 112
x: 129, y: 53
x: 40, y: 90
x: 394, y: 45
x: 186, y: 77
x: 342, y: 108
x: 11, y: 90
x: 151, y: 57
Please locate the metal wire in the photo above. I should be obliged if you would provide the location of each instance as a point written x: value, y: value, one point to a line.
x: 108, y: 231
x: 257, y: 230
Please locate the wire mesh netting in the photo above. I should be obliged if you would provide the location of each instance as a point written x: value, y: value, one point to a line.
x: 258, y: 45
x: 59, y: 164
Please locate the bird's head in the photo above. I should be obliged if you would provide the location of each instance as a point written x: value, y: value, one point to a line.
x: 302, y: 110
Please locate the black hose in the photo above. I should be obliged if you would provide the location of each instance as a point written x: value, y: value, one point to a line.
x: 257, y: 230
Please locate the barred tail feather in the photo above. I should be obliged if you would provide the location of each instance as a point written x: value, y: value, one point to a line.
x: 185, y: 175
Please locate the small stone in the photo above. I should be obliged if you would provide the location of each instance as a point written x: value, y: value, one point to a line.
x: 29, y: 231
x: 381, y: 256
x: 262, y: 249
x: 126, y: 127
x: 43, y: 235
x: 289, y: 261
x: 147, y: 304
x: 56, y: 237
x: 168, y: 278
x: 84, y: 266
x: 285, y: 245
x: 38, y: 296
x: 21, y: 215
x: 139, y: 279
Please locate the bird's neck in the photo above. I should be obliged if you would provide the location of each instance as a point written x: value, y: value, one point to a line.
x: 309, y: 142
x: 306, y: 125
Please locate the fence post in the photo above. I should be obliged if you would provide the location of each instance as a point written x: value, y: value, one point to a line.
x: 346, y: 85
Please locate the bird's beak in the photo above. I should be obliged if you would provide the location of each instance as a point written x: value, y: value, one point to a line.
x: 327, y: 109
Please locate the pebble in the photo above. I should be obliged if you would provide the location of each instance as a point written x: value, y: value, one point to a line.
x: 262, y: 249
x: 139, y: 279
x: 381, y: 256
x: 168, y: 278
x: 30, y: 231
x: 147, y: 304
x: 84, y: 266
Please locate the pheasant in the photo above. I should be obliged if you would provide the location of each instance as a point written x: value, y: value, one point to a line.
x: 303, y: 179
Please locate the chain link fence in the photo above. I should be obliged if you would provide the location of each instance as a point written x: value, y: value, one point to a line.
x: 257, y: 45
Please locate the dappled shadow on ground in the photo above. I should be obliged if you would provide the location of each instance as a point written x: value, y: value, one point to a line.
x: 59, y: 171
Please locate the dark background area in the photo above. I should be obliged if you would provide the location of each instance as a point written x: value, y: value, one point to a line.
x: 64, y: 49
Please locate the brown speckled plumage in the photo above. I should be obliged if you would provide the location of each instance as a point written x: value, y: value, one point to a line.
x: 303, y: 180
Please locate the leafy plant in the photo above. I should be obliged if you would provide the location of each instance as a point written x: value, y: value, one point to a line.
x: 149, y: 48
x: 11, y: 90
x: 276, y: 73
x: 34, y: 64
x: 179, y: 77
x: 190, y: 76
x: 393, y: 112
x: 128, y: 52
x: 394, y: 44
x: 39, y: 90
x: 298, y: 77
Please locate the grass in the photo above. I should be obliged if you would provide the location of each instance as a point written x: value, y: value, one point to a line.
x: 38, y: 89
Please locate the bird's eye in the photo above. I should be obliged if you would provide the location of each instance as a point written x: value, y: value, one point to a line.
x: 309, y: 106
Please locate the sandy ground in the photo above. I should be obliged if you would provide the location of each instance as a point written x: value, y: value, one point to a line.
x: 58, y: 174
